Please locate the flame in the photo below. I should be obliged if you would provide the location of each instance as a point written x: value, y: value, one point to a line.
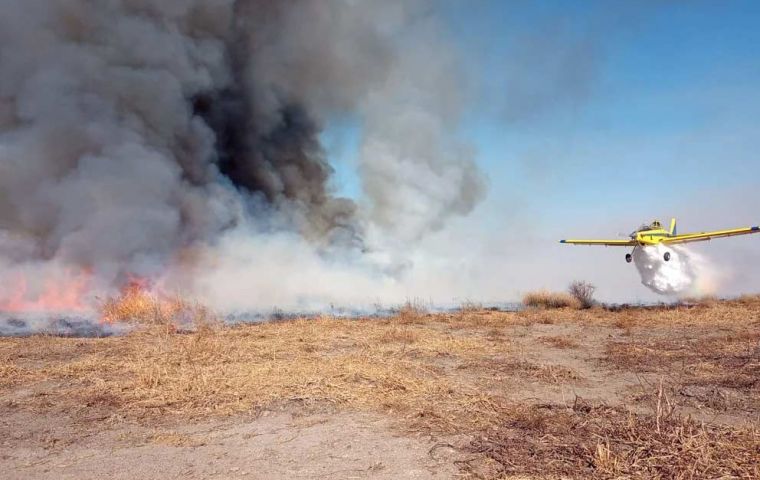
x: 140, y: 300
x: 136, y: 284
x: 63, y: 293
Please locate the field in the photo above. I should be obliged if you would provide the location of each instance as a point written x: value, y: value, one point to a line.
x: 657, y: 392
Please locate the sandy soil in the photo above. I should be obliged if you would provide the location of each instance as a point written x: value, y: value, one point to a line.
x: 276, y: 445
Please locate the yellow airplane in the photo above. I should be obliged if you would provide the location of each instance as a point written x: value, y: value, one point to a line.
x: 654, y: 234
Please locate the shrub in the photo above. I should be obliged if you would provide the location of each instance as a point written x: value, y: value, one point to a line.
x: 468, y: 306
x: 413, y: 311
x: 583, y: 292
x: 546, y: 299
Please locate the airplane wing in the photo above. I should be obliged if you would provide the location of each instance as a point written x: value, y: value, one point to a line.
x: 606, y: 243
x: 703, y: 236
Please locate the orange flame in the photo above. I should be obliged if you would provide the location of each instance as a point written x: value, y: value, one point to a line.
x: 136, y: 283
x: 141, y: 300
x: 60, y: 294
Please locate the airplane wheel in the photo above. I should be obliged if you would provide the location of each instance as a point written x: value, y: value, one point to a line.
x: 628, y: 258
x: 667, y: 256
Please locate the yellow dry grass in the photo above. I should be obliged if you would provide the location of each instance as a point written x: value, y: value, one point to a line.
x: 174, y: 439
x: 596, y: 441
x: 560, y: 342
x: 547, y: 299
x: 364, y: 364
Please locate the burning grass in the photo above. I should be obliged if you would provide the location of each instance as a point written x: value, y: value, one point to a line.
x: 478, y: 373
x: 137, y: 304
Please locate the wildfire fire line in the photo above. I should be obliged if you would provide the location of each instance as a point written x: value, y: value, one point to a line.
x: 64, y: 309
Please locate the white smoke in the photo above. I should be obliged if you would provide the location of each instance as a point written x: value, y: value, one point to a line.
x: 686, y: 273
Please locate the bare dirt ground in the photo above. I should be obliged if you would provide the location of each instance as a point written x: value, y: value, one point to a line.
x: 671, y: 392
x: 275, y: 445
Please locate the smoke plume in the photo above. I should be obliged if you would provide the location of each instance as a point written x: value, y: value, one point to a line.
x: 136, y: 136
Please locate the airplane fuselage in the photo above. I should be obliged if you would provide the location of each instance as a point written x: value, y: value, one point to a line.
x: 651, y: 237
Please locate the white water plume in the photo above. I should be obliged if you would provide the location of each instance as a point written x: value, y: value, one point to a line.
x: 686, y: 274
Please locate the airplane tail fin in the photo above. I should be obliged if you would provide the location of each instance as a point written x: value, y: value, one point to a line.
x: 673, y: 230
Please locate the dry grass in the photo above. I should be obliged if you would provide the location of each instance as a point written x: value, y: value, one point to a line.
x: 137, y: 305
x: 547, y: 299
x: 720, y: 371
x: 174, y: 439
x: 469, y: 306
x: 560, y: 342
x: 366, y: 364
x: 748, y: 300
x: 456, y: 373
x: 399, y: 335
x: 595, y: 441
x: 412, y: 312
x: 704, y: 300
x: 546, y: 372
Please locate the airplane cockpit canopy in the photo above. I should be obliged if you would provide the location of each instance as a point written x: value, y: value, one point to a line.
x: 655, y: 225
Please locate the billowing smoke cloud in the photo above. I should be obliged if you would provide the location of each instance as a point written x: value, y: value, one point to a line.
x: 135, y: 135
x: 687, y: 273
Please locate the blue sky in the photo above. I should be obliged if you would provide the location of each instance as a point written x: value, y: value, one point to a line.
x: 602, y: 115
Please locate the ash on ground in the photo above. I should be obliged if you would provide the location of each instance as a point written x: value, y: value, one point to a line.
x: 59, y: 325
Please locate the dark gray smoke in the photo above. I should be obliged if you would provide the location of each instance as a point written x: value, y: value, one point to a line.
x: 134, y: 130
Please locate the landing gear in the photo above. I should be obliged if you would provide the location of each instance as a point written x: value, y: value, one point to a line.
x: 666, y: 256
x: 629, y: 256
